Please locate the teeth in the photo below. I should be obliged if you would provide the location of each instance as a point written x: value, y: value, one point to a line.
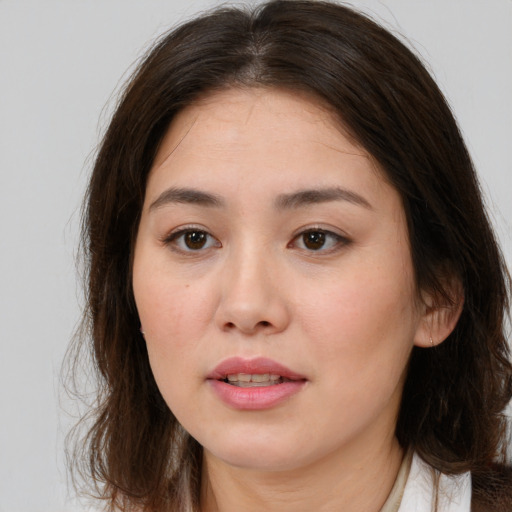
x: 241, y: 377
x: 253, y: 380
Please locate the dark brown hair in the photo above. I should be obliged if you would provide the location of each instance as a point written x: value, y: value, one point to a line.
x: 452, y: 408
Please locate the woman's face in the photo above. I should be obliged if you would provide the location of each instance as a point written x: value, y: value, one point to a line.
x: 274, y: 283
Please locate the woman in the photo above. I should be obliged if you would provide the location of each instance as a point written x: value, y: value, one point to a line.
x: 295, y: 297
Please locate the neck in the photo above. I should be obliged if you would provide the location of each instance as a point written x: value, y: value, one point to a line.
x: 355, y: 482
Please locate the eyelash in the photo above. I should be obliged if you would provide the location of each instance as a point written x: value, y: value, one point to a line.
x: 337, y: 241
x: 172, y: 240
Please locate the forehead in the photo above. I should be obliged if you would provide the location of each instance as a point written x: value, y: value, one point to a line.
x: 231, y: 110
x: 267, y: 134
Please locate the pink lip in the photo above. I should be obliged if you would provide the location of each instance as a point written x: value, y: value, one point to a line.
x: 256, y: 398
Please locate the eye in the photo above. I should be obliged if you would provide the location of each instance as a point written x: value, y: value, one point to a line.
x: 192, y: 239
x: 318, y: 240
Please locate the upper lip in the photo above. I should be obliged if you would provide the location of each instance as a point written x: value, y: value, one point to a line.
x: 258, y: 365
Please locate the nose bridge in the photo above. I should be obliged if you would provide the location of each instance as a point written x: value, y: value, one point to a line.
x: 250, y: 299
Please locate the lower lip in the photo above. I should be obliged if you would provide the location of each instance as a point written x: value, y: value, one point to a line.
x: 256, y: 398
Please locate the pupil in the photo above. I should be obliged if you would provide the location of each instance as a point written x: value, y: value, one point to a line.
x: 195, y: 239
x: 314, y: 240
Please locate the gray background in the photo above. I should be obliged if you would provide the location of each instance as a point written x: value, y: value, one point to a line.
x: 59, y: 63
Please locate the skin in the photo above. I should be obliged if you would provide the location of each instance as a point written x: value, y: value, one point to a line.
x: 346, y: 314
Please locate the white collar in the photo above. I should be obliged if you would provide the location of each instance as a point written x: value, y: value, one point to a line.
x: 453, y: 494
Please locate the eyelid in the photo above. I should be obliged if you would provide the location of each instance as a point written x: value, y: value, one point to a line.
x: 169, y: 235
x: 342, y: 240
x: 172, y: 236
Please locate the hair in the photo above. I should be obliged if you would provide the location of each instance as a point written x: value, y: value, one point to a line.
x: 137, y: 454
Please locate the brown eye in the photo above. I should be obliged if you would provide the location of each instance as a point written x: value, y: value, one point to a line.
x: 191, y: 240
x: 319, y: 240
x: 313, y: 240
x: 195, y: 240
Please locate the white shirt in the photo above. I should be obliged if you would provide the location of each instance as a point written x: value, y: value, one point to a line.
x: 453, y: 493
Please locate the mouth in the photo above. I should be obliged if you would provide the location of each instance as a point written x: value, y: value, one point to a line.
x: 254, y: 384
x: 257, y: 372
x: 254, y: 380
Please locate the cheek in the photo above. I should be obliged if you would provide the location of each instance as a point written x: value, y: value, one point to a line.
x: 361, y: 340
x: 170, y: 307
x: 174, y: 314
x: 364, y: 325
x: 173, y: 322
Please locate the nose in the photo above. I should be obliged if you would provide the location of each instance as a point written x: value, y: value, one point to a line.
x: 252, y: 298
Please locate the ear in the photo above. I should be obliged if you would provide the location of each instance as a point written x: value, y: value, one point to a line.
x: 439, y: 314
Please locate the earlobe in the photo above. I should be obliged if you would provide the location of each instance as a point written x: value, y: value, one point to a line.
x: 439, y: 318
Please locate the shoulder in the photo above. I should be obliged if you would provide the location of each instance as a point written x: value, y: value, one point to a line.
x: 492, y: 491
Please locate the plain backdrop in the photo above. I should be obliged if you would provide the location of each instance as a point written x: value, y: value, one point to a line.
x: 60, y: 62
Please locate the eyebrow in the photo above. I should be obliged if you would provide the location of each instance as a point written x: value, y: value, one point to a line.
x: 187, y: 196
x: 283, y: 201
x: 323, y: 195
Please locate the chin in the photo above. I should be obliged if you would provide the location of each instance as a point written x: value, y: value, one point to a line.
x: 256, y: 461
x: 273, y: 455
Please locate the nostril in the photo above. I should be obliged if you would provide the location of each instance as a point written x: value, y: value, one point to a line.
x: 264, y: 324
